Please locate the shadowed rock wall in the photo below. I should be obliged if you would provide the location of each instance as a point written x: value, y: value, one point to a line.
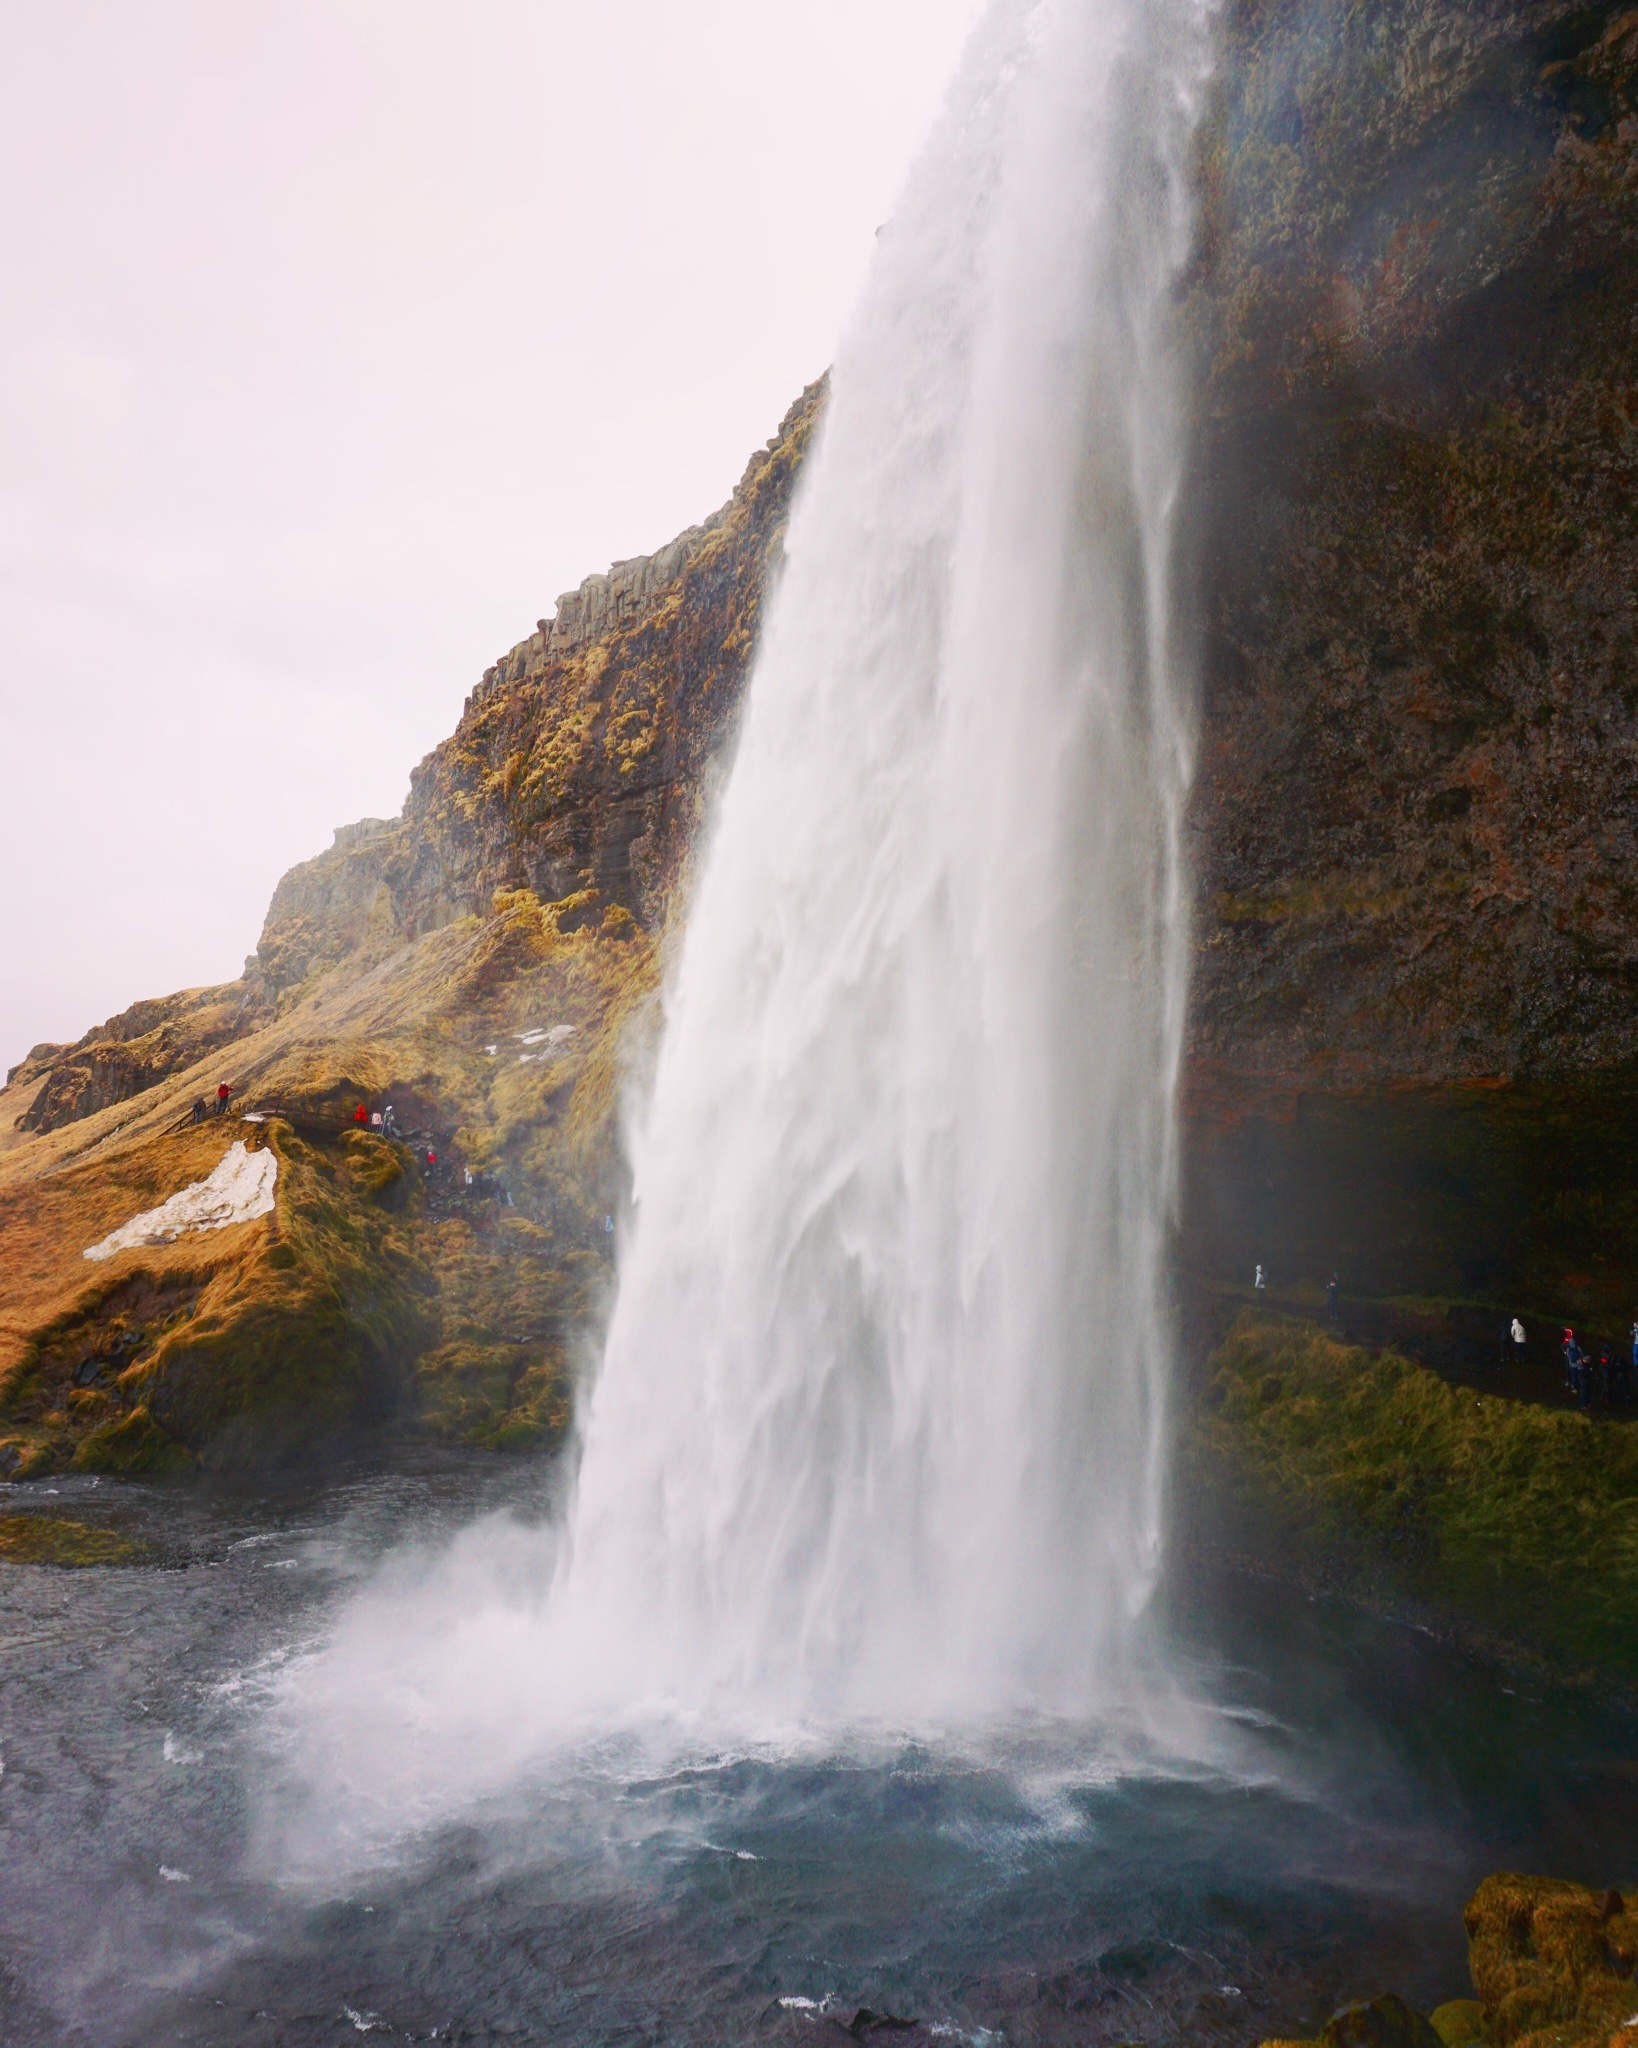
x: 1415, y: 827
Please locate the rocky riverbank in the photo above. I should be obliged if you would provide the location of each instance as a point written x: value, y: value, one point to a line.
x: 1552, y: 1964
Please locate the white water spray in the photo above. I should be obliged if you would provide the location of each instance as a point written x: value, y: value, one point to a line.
x: 878, y: 1435
x: 880, y: 1421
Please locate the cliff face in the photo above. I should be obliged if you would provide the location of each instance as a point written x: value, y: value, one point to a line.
x: 580, y: 765
x: 1417, y: 815
x: 1415, y: 825
x: 132, y: 1052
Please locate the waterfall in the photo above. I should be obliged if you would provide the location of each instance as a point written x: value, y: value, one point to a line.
x: 880, y: 1423
x: 877, y: 1441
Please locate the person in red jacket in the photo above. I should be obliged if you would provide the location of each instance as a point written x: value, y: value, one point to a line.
x: 222, y: 1094
x: 361, y: 1115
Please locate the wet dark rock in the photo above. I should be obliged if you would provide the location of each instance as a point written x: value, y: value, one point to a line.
x: 866, y: 2022
x: 1386, y: 2022
x: 1415, y: 822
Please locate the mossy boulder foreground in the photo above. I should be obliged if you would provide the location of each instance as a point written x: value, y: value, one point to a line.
x: 1363, y: 1470
x: 1552, y: 1963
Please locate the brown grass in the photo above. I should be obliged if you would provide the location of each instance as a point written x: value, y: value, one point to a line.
x: 241, y: 1347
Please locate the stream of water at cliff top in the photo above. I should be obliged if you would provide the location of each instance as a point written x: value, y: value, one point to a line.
x: 877, y: 1439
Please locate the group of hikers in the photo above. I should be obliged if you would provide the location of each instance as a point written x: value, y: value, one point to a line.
x: 382, y: 1121
x: 481, y: 1186
x: 1333, y: 1294
x: 1609, y: 1375
x: 224, y: 1095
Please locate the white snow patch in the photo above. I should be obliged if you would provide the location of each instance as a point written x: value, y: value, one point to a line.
x: 178, y: 1752
x: 174, y: 1876
x: 555, y: 1036
x: 240, y: 1190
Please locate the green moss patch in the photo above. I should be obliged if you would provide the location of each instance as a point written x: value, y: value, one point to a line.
x: 46, y: 1539
x: 1514, y: 1521
x: 493, y: 1395
x: 131, y: 1445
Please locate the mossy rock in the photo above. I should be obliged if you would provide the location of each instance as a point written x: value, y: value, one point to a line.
x: 377, y: 1169
x: 134, y: 1444
x: 1459, y: 2022
x: 1385, y: 2022
x: 1552, y: 1962
x: 492, y: 1395
x: 47, y: 1539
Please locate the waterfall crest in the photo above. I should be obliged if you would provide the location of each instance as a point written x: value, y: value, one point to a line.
x: 880, y: 1422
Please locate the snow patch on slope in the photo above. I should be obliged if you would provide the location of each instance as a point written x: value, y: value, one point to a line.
x: 240, y: 1190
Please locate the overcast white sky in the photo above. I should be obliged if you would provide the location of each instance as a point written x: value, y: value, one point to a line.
x: 335, y: 341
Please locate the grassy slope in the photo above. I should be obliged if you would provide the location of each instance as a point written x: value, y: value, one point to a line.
x: 1514, y: 1521
x: 359, y: 1297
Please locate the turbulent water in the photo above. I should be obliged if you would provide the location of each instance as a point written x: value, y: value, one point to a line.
x: 1021, y: 1892
x: 879, y: 1427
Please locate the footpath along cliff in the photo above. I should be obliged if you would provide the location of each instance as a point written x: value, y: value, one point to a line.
x: 1412, y: 1049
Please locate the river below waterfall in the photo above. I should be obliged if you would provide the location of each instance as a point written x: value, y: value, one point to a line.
x: 1034, y: 1890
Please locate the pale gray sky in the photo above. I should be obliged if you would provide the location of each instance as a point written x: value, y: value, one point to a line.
x: 336, y: 341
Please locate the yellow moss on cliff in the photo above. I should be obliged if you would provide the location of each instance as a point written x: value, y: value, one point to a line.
x: 405, y: 964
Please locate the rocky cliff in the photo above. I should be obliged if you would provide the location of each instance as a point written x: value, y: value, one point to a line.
x: 1415, y: 824
x: 485, y: 963
x: 1412, y: 1051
